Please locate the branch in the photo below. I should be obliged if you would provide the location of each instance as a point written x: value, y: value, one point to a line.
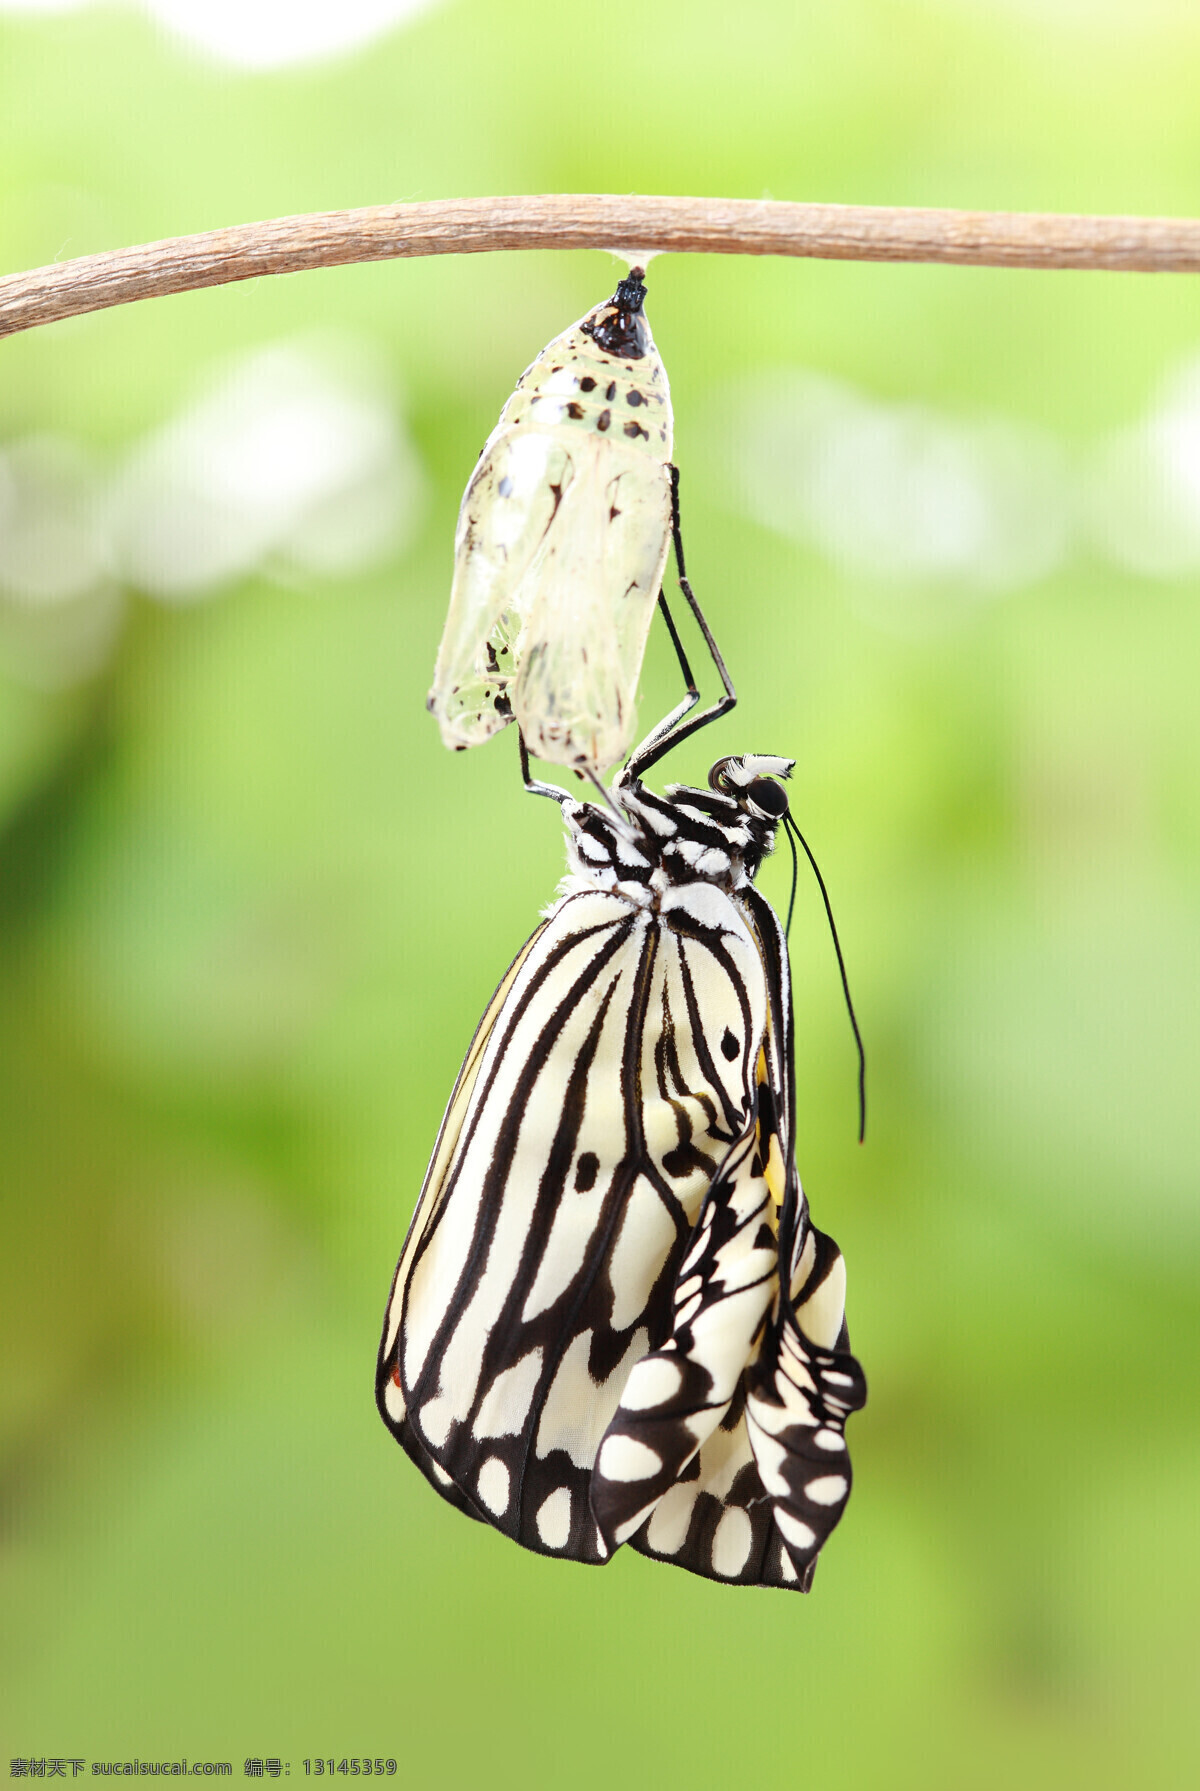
x: 596, y: 221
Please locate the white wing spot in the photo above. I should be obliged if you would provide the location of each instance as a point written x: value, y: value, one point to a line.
x: 793, y: 1531
x: 506, y: 1405
x: 643, y: 1244
x: 687, y: 1312
x: 731, y: 1544
x: 829, y: 1439
x: 554, y: 1518
x: 654, y: 1380
x: 786, y: 1566
x: 435, y: 1420
x: 632, y: 1525
x: 440, y: 1474
x: 493, y: 1485
x: 668, y: 1527
x: 770, y: 1456
x: 623, y: 1458
x: 826, y: 1491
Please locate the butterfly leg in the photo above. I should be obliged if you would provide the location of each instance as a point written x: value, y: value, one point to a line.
x: 673, y: 729
x: 534, y: 785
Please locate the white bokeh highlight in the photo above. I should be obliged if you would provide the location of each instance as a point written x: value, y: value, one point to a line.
x: 897, y: 492
x: 262, y: 34
x: 60, y: 611
x: 52, y: 546
x: 1144, y: 490
x: 265, y: 34
x: 290, y: 462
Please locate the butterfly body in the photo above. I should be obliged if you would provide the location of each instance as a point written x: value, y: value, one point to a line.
x: 562, y: 540
x: 612, y: 1319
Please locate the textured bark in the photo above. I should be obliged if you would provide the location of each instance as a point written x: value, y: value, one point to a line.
x: 596, y: 221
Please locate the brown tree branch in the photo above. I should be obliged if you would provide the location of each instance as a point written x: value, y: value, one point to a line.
x: 596, y: 221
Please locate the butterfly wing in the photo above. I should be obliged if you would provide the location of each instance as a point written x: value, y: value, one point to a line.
x: 677, y: 1395
x: 389, y: 1392
x: 581, y: 1154
x: 758, y: 1499
x: 799, y: 1393
x: 716, y: 1520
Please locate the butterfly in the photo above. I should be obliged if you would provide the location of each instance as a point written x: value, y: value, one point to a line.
x: 613, y: 1320
x: 562, y: 540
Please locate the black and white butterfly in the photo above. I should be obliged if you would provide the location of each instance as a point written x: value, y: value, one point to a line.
x: 613, y: 1320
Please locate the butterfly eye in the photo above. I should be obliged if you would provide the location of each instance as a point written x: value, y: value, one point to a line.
x: 768, y: 796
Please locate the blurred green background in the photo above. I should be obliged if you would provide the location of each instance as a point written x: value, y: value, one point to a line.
x: 946, y: 525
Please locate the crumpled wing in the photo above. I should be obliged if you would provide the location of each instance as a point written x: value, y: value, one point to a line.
x: 677, y: 1395
x: 799, y: 1394
x: 758, y: 1501
x: 717, y: 1521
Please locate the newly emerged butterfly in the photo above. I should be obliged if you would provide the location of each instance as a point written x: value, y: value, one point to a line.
x: 613, y: 1320
x: 562, y: 540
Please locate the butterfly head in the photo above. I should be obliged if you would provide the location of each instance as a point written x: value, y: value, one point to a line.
x: 752, y: 783
x: 719, y: 835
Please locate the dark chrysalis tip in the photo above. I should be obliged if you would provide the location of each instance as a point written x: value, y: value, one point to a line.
x: 619, y: 327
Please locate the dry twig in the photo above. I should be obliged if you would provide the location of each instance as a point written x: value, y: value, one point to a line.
x: 596, y: 221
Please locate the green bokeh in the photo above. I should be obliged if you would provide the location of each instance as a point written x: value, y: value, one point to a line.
x: 251, y: 912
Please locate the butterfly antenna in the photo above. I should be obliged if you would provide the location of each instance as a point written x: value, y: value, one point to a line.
x: 787, y: 925
x: 795, y: 834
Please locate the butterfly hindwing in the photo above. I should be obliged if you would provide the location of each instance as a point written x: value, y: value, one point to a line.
x: 800, y: 1392
x: 716, y: 1521
x: 676, y: 1396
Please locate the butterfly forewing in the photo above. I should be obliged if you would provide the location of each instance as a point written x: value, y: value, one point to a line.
x: 447, y: 1141
x: 582, y: 1156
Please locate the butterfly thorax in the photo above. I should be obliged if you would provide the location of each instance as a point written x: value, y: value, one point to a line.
x: 652, y: 844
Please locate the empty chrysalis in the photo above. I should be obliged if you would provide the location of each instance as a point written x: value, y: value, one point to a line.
x: 562, y: 539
